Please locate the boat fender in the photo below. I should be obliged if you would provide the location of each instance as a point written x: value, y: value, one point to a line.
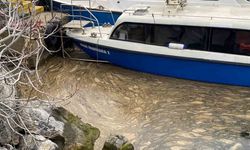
x: 93, y: 35
x: 100, y: 7
x: 176, y: 46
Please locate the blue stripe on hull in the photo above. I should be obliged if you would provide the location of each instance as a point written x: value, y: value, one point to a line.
x: 102, y: 16
x: 207, y: 71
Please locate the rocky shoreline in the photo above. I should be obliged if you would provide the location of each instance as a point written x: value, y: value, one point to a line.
x: 27, y: 122
x: 43, y: 126
x: 47, y: 127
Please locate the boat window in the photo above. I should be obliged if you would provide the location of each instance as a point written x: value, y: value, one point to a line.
x: 194, y: 37
x: 242, y: 42
x: 163, y: 35
x: 190, y: 37
x: 222, y: 40
x: 230, y: 41
x: 131, y: 32
x: 120, y: 33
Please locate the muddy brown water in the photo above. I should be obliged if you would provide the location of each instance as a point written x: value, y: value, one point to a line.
x: 154, y: 112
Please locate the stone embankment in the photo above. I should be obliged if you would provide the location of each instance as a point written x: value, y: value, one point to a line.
x: 40, y: 126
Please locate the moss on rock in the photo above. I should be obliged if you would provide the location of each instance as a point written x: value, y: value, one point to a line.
x: 127, y: 146
x: 78, y: 135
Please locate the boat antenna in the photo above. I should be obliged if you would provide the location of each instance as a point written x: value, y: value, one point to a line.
x: 153, y: 17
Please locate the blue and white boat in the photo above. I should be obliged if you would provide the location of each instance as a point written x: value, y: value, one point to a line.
x: 106, y: 11
x: 203, y: 43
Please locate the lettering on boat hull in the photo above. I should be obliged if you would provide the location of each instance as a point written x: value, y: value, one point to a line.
x: 95, y: 49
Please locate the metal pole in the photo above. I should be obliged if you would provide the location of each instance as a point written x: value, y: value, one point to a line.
x: 51, y: 8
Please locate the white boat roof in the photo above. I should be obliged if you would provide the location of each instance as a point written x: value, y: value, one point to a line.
x: 219, y: 2
x: 191, y: 15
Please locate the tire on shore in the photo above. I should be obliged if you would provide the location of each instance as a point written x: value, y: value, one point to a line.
x: 45, y: 3
x: 55, y: 37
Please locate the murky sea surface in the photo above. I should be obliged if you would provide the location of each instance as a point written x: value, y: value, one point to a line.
x: 154, y: 112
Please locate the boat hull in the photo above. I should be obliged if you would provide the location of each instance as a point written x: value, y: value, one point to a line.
x: 103, y: 16
x: 178, y: 67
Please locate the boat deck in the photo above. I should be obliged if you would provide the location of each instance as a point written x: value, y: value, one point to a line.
x: 76, y: 24
x: 100, y: 32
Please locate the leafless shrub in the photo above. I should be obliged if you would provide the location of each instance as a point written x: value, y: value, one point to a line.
x: 18, y: 26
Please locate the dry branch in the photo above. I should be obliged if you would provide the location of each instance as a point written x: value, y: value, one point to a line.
x: 16, y: 26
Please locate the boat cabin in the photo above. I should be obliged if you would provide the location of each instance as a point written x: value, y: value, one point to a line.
x: 214, y: 39
x: 221, y: 30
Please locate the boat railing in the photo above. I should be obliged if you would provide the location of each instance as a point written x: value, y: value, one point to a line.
x: 79, y: 16
x: 98, y: 6
x: 109, y: 10
x: 101, y: 7
x: 209, y: 17
x: 234, y: 18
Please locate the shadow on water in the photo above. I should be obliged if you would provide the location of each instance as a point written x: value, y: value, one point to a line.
x: 153, y: 112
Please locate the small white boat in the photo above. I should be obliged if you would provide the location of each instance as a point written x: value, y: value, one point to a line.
x: 203, y: 43
x: 108, y: 5
x: 107, y: 11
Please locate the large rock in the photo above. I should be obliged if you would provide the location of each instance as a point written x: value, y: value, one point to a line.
x: 53, y: 128
x: 41, y: 122
x: 117, y: 142
x: 5, y: 133
x: 37, y: 142
x: 78, y: 135
x: 61, y: 127
x: 7, y: 94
